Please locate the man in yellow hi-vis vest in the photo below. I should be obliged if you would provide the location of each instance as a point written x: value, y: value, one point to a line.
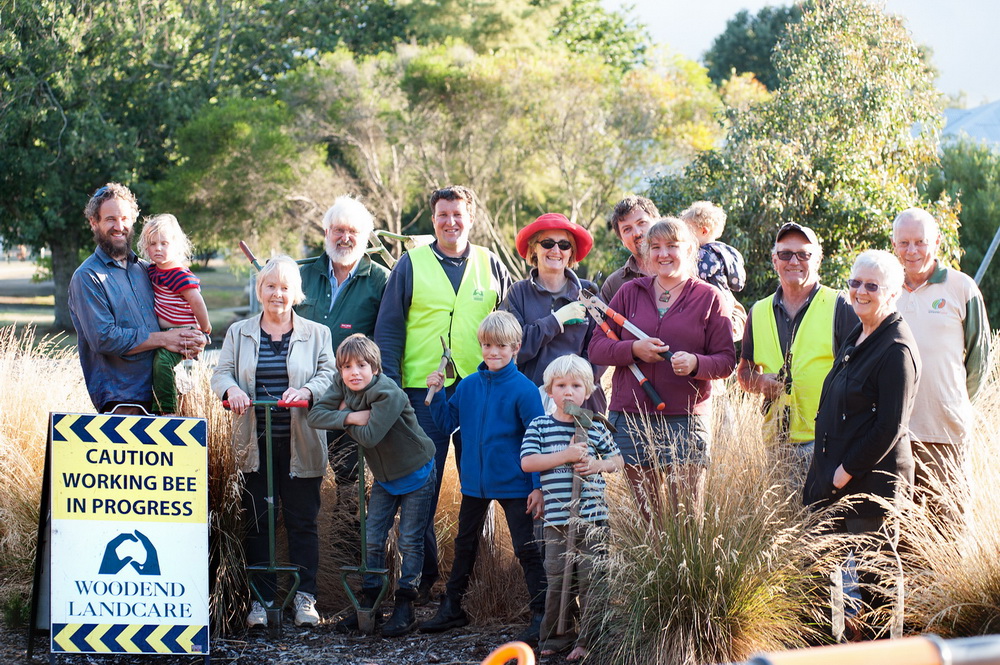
x: 443, y: 289
x: 792, y: 336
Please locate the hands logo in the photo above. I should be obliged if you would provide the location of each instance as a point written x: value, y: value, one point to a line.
x: 114, y: 561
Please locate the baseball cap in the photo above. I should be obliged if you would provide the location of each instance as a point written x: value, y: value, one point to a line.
x: 788, y: 227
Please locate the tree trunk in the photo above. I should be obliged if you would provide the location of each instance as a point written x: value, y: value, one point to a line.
x: 64, y: 262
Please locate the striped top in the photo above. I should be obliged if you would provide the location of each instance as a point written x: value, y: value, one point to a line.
x: 545, y: 435
x: 168, y: 303
x: 271, y: 383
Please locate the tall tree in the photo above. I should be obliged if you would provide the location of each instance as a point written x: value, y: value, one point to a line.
x: 747, y: 42
x: 586, y: 27
x: 842, y: 146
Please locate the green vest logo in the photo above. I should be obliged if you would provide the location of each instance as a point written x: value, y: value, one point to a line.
x: 478, y: 295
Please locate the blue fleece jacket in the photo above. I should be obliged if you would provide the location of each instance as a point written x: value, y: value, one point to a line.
x: 493, y: 409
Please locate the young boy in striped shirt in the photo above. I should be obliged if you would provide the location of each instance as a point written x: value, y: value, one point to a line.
x: 550, y: 447
x: 177, y: 299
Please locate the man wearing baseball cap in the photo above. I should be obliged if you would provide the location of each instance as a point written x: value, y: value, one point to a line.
x: 791, y: 338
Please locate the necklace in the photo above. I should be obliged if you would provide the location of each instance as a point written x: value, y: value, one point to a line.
x: 667, y: 293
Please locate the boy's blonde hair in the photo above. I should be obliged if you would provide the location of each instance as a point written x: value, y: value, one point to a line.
x: 707, y: 214
x: 572, y: 366
x: 166, y: 226
x: 499, y: 328
x: 358, y: 347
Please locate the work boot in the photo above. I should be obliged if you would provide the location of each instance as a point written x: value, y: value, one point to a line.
x: 449, y: 615
x: 403, y: 620
x: 349, y: 624
x: 423, y: 594
x: 530, y: 634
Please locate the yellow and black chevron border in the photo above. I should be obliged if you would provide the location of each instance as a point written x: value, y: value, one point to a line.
x: 135, y: 430
x: 128, y: 638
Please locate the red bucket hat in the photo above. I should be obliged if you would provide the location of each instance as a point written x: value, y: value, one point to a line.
x: 553, y: 220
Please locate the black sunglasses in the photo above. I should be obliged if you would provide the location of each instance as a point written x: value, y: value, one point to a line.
x: 787, y: 254
x: 549, y: 243
x: 870, y: 287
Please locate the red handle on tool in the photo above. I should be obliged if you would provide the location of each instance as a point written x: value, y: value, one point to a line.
x: 249, y: 254
x: 640, y: 377
x: 294, y: 404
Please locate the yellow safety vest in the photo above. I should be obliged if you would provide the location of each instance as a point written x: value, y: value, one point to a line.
x: 437, y: 310
x: 812, y: 357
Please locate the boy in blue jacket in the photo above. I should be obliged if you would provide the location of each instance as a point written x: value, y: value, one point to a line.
x: 493, y: 408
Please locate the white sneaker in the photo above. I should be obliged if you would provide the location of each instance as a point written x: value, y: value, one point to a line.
x: 305, y: 609
x: 257, y: 616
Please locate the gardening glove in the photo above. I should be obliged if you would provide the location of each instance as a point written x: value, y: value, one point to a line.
x: 575, y: 312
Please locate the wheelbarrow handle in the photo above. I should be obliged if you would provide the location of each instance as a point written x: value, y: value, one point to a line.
x: 294, y: 404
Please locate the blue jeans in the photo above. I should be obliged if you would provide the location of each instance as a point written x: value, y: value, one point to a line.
x: 430, y: 572
x: 413, y: 509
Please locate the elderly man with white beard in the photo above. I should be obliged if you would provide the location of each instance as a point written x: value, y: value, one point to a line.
x: 343, y: 290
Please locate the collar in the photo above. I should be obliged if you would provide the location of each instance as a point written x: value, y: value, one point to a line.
x: 299, y: 332
x: 632, y: 268
x: 938, y: 276
x: 504, y: 373
x: 454, y: 259
x: 574, y: 281
x: 779, y: 297
x: 354, y: 271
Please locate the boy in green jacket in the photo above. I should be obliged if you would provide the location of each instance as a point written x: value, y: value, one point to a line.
x: 377, y: 414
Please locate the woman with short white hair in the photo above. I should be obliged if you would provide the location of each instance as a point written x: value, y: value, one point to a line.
x: 862, y: 440
x: 278, y: 355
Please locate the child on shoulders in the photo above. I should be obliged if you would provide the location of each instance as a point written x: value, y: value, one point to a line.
x: 377, y: 414
x: 493, y: 407
x: 551, y: 447
x: 719, y: 264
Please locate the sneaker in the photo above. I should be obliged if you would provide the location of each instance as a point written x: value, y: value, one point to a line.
x: 257, y: 616
x: 305, y: 609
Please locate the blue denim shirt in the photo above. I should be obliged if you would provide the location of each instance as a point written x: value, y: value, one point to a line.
x: 112, y: 310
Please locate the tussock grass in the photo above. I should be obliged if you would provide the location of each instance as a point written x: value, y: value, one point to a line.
x: 37, y: 376
x: 732, y: 573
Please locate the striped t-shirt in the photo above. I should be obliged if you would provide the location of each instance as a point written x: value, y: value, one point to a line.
x: 271, y: 383
x: 168, y: 303
x: 545, y: 435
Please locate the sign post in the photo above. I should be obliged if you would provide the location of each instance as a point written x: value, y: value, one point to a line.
x: 129, y: 535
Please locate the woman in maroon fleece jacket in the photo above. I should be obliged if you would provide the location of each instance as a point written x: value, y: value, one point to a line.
x: 687, y: 317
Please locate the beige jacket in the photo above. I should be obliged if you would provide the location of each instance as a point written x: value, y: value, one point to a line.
x: 310, y: 365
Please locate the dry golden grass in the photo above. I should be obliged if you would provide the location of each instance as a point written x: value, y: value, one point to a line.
x: 37, y: 376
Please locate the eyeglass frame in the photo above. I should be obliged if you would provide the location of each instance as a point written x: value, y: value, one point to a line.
x: 802, y: 255
x: 548, y: 243
x: 856, y: 284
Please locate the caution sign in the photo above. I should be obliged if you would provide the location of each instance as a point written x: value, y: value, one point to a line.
x: 129, y: 534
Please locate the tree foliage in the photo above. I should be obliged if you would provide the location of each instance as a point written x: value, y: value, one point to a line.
x: 586, y: 27
x: 970, y: 174
x: 747, y: 42
x: 841, y: 147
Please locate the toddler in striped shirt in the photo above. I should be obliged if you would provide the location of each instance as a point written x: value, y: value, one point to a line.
x: 551, y: 447
x: 177, y: 299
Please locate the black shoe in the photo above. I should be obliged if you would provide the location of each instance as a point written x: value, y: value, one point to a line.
x: 423, y: 594
x: 450, y: 615
x: 530, y: 634
x: 349, y: 624
x: 403, y: 620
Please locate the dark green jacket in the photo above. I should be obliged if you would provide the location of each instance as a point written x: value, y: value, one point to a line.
x: 393, y: 442
x: 356, y: 308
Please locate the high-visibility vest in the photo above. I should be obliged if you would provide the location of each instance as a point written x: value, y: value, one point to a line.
x: 436, y: 310
x: 812, y: 356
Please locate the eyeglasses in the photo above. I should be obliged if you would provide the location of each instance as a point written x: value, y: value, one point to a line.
x: 787, y: 254
x: 870, y: 287
x: 549, y: 243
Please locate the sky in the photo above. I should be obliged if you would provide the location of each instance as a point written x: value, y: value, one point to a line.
x: 962, y: 34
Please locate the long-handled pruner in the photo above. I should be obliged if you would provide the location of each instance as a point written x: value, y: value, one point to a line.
x: 365, y: 615
x: 598, y: 316
x: 272, y: 608
x: 589, y: 299
x: 446, y: 367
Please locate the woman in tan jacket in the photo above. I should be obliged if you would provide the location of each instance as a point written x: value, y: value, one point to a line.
x: 279, y: 355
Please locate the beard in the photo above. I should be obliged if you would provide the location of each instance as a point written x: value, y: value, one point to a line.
x: 107, y: 243
x: 342, y: 254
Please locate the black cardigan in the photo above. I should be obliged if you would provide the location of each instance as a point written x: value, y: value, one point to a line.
x: 863, y: 418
